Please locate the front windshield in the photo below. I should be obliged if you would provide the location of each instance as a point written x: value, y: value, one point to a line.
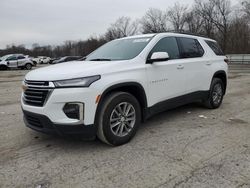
x: 5, y: 57
x: 122, y: 49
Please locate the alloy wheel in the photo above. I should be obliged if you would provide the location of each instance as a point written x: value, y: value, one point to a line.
x: 122, y: 119
x: 217, y: 93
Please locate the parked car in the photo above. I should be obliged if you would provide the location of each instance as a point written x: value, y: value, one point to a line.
x: 36, y: 59
x: 82, y: 59
x: 54, y: 59
x: 32, y: 59
x: 44, y: 60
x: 15, y: 61
x: 66, y: 59
x: 123, y: 83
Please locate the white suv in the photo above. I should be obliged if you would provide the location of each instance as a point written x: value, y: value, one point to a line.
x: 123, y: 83
x: 15, y: 61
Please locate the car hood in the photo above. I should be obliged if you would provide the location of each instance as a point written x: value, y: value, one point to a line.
x: 74, y: 69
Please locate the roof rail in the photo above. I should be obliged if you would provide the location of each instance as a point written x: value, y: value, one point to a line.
x: 188, y: 33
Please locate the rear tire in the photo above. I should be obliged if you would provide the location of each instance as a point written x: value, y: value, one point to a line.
x: 216, y: 94
x: 28, y: 66
x: 118, y: 118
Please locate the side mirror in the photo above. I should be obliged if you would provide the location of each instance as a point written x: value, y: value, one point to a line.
x: 158, y: 56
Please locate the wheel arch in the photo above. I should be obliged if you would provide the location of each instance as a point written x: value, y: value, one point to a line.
x: 223, y: 76
x: 3, y: 67
x: 134, y: 88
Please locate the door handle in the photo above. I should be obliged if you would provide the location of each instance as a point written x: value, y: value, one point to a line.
x: 180, y: 67
x: 208, y: 63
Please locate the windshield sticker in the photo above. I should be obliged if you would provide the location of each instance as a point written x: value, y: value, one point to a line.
x: 141, y: 40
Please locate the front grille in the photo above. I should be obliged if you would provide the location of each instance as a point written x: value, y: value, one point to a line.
x: 33, y: 121
x: 36, y: 92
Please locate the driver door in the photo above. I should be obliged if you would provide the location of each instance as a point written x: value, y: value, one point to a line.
x: 166, y: 79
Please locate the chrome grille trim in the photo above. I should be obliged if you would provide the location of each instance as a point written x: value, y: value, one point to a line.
x: 36, y: 93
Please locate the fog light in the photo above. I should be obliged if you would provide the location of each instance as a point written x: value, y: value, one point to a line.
x: 74, y: 110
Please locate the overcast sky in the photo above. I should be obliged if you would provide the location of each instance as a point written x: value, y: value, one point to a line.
x: 54, y: 21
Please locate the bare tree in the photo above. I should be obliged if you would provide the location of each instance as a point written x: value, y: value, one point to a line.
x: 212, y: 18
x: 194, y: 22
x: 239, y: 38
x: 206, y: 10
x: 177, y: 16
x: 154, y: 21
x: 123, y: 27
x: 216, y: 13
x: 246, y: 7
x: 222, y: 19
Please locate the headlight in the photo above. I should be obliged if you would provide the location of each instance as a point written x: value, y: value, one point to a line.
x: 78, y: 82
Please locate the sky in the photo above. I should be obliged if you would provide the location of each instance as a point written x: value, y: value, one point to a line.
x: 54, y: 21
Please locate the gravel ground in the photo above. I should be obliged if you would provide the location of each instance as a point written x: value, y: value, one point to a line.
x: 186, y: 147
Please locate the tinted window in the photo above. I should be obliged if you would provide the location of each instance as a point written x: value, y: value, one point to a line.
x: 215, y: 47
x: 11, y: 58
x: 190, y: 48
x: 20, y: 57
x: 66, y: 59
x: 71, y: 58
x: 169, y: 45
x: 76, y: 58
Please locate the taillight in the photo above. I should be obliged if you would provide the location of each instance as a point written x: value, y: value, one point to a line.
x: 227, y: 60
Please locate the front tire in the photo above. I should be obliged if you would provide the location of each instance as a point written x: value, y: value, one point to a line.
x: 118, y: 118
x: 3, y: 67
x: 216, y: 94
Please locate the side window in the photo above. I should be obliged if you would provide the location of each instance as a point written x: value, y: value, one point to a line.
x: 215, y: 47
x: 190, y: 48
x: 169, y: 45
x: 20, y: 57
x: 11, y: 58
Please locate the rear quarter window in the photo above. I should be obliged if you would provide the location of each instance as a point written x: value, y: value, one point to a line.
x: 215, y: 47
x: 190, y: 48
x: 20, y: 57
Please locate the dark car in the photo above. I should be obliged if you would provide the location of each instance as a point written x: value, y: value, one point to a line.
x: 66, y: 59
x: 54, y: 59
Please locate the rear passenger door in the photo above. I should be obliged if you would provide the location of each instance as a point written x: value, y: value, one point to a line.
x: 166, y: 79
x: 21, y: 60
x: 194, y: 64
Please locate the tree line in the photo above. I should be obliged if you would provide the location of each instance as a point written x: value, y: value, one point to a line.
x: 216, y: 19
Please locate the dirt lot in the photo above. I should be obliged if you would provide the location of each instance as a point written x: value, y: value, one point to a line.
x: 174, y: 149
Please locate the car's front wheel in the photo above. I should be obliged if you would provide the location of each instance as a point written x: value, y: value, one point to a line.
x: 216, y: 94
x: 118, y: 119
x: 3, y: 67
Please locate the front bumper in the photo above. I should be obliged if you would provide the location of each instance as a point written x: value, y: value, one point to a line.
x: 43, y: 124
x: 53, y: 108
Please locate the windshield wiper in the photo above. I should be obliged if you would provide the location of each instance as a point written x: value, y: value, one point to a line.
x: 100, y: 59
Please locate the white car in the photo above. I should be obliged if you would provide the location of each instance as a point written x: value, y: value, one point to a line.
x: 123, y: 83
x: 16, y: 61
x: 44, y: 59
